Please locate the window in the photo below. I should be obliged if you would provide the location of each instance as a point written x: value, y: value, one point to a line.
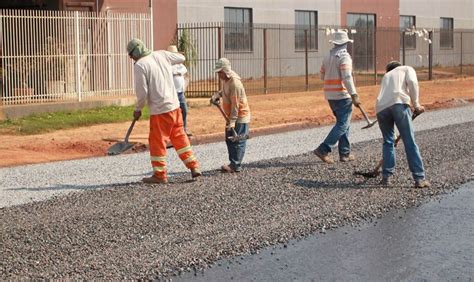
x: 238, y: 29
x: 407, y: 22
x: 446, y: 33
x: 363, y: 48
x: 306, y: 20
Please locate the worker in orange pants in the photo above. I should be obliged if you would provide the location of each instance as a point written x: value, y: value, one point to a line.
x: 164, y: 127
x: 153, y: 79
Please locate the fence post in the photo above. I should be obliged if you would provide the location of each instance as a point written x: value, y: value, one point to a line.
x: 430, y: 56
x: 265, y: 61
x: 219, y: 50
x: 403, y: 47
x: 78, y: 59
x: 461, y: 52
x: 306, y: 58
x: 375, y: 56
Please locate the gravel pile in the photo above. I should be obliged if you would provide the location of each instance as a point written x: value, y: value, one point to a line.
x: 137, y: 231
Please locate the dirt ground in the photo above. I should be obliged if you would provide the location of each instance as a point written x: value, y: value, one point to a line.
x: 270, y: 113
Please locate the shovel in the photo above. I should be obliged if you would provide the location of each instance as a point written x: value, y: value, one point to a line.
x: 376, y: 171
x: 121, y: 147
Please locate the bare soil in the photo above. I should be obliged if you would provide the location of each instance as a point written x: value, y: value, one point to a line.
x: 270, y: 113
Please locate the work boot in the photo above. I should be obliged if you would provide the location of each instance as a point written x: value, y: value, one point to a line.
x: 195, y: 173
x: 348, y: 158
x: 422, y: 183
x: 385, y: 181
x: 155, y: 180
x: 324, y: 157
x: 227, y: 169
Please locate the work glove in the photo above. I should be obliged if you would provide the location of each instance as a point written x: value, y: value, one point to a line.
x: 215, y: 99
x: 419, y: 110
x: 137, y: 115
x: 355, y: 99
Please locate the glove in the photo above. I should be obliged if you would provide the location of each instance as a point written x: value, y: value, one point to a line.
x: 419, y: 110
x: 215, y: 99
x: 355, y: 99
x: 137, y: 115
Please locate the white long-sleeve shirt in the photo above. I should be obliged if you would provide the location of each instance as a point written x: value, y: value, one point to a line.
x: 399, y: 86
x: 154, y: 82
x: 179, y: 72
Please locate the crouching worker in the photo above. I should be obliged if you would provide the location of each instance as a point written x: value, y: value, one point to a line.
x: 154, y: 86
x: 399, y: 88
x: 236, y: 108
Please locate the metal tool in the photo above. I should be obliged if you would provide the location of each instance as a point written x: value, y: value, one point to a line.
x: 364, y: 113
x: 121, y: 147
x: 376, y: 171
x: 235, y: 137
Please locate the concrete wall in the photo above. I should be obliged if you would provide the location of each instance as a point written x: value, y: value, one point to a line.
x: 165, y: 14
x: 427, y: 15
x: 264, y: 11
x: 429, y: 12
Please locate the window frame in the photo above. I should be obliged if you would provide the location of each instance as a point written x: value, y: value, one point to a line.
x: 407, y: 36
x: 446, y: 32
x: 242, y: 31
x: 313, y: 35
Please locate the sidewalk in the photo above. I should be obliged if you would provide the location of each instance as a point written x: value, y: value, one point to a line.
x: 39, y: 182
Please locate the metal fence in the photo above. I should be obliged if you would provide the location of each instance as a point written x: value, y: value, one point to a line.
x: 285, y: 58
x: 49, y: 56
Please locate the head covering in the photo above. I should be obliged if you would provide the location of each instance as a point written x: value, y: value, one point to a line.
x: 173, y: 49
x: 137, y: 49
x: 340, y: 38
x: 391, y: 65
x: 223, y: 64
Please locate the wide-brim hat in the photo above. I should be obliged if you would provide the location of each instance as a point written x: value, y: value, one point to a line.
x: 137, y: 48
x: 340, y: 37
x: 172, y: 48
x: 223, y: 64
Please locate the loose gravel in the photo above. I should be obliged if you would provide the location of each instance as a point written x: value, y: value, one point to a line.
x: 135, y: 231
x: 24, y: 184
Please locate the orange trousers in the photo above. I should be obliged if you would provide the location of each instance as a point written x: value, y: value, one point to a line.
x: 169, y: 127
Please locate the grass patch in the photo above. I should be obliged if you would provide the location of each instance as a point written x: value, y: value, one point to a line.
x: 48, y: 122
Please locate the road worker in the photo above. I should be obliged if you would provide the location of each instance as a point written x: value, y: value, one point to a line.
x: 341, y: 94
x: 180, y: 79
x: 236, y: 107
x: 154, y: 85
x: 399, y: 88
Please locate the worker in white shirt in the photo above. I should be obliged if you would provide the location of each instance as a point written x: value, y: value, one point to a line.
x: 180, y: 78
x: 154, y: 85
x: 399, y: 89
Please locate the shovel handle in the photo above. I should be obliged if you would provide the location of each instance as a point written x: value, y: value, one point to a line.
x: 129, y: 130
x: 364, y: 113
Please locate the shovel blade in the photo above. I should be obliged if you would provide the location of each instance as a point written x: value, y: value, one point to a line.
x: 119, y: 148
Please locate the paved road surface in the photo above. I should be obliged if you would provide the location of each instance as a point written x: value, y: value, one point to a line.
x: 433, y: 242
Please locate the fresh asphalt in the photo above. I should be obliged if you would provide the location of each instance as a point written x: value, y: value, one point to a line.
x: 432, y: 242
x: 23, y: 184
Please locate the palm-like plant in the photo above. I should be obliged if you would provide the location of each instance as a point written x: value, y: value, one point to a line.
x: 186, y: 45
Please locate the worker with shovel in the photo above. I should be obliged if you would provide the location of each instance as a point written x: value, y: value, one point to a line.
x: 153, y: 76
x: 236, y: 111
x: 340, y: 92
x: 399, y: 88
